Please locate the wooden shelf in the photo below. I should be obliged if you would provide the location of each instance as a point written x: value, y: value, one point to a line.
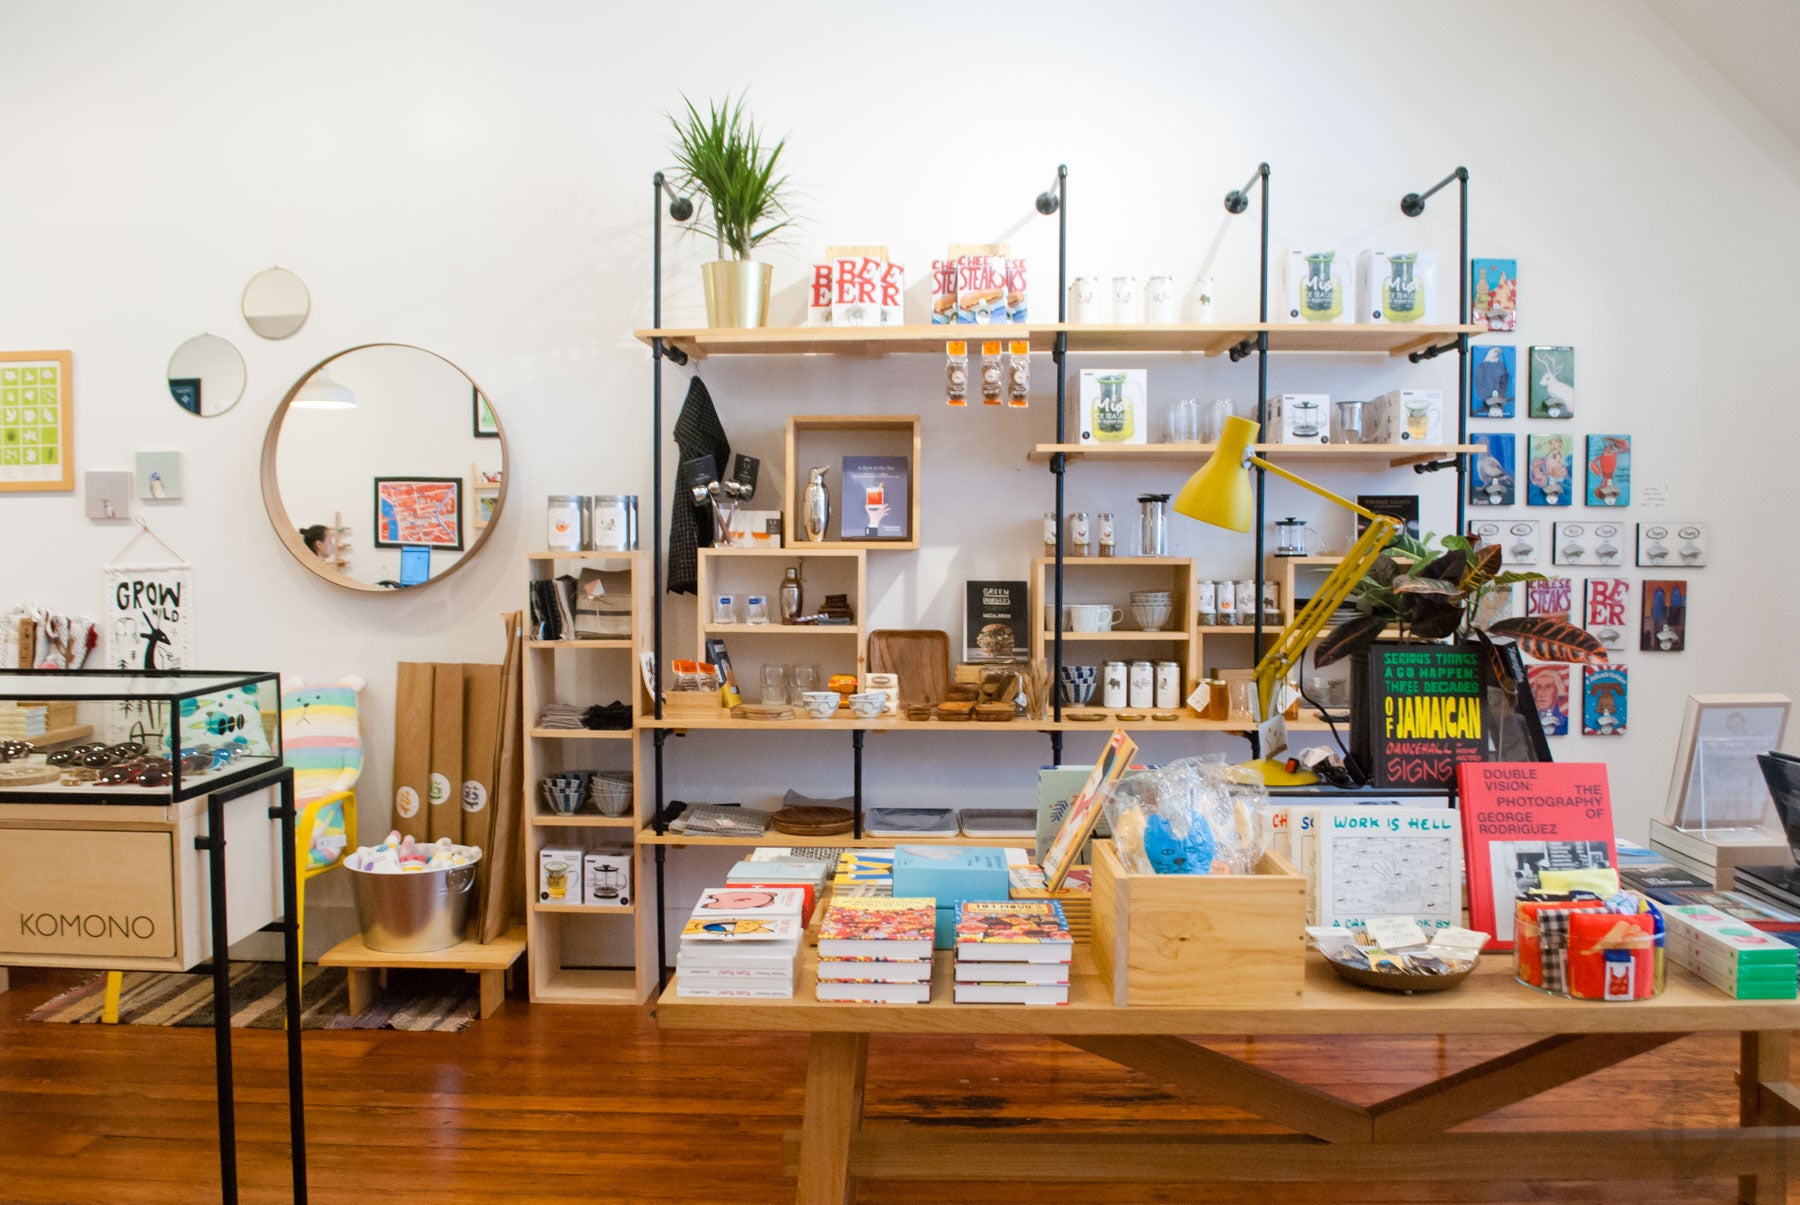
x: 582, y: 985
x: 1116, y: 562
x: 1163, y: 637
x: 844, y: 841
x: 1188, y: 338
x: 603, y: 555
x: 620, y: 642
x: 581, y: 734
x: 581, y: 820
x: 1381, y: 456
x: 1232, y: 629
x: 586, y: 909
x: 802, y: 549
x: 780, y: 629
x: 1036, y: 727
x: 865, y: 545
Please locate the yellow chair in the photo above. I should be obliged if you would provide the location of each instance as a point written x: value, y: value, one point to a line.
x: 304, y: 862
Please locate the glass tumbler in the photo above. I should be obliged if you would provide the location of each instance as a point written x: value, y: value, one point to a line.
x: 774, y: 684
x: 801, y: 678
x: 756, y: 608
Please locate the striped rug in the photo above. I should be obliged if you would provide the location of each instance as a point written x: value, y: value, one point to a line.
x: 416, y: 1001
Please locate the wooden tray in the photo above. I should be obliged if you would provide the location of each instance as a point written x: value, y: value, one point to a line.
x: 921, y: 658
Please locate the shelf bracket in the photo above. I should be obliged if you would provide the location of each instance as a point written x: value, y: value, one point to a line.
x: 1426, y: 466
x: 1432, y: 353
x: 1058, y: 461
x: 1242, y: 349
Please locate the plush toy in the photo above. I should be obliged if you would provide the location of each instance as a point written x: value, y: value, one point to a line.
x: 323, y: 743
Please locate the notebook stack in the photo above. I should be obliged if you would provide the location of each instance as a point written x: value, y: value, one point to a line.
x: 1012, y: 952
x: 741, y: 942
x: 1076, y: 895
x: 876, y: 950
x: 23, y: 722
x: 1740, y: 961
x: 863, y: 873
x: 807, y: 876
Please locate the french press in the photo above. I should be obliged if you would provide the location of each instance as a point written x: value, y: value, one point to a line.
x: 1290, y: 537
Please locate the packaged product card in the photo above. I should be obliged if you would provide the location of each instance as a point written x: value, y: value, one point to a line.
x: 1396, y: 286
x: 818, y: 296
x: 943, y: 291
x: 981, y: 288
x: 1318, y: 288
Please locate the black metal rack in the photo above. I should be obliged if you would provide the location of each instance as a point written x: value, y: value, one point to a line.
x: 1053, y: 201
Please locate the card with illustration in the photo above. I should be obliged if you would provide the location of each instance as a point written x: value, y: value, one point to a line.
x: 1609, y: 470
x: 1552, y: 382
x: 1550, y: 471
x: 1550, y: 691
x: 1492, y: 374
x: 1682, y: 544
x: 1663, y: 628
x: 1552, y: 596
x: 1606, y: 613
x: 1494, y: 288
x: 1603, y: 700
x: 1491, y: 476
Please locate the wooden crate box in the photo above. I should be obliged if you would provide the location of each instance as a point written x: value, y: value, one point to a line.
x: 1178, y: 940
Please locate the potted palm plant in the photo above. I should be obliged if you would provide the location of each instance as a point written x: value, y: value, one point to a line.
x: 721, y: 157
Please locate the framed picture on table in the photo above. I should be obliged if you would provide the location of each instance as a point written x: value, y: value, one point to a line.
x: 419, y: 512
x: 1716, y: 782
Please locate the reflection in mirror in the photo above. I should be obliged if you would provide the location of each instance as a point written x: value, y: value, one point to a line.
x: 206, y: 376
x: 374, y: 462
x: 276, y: 303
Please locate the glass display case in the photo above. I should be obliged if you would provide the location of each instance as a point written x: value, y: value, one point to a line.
x: 118, y: 737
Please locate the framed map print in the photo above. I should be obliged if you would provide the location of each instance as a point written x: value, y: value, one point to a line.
x: 419, y: 511
x: 36, y: 422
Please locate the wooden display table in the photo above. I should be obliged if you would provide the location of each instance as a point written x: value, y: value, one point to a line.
x: 1401, y: 1138
x: 488, y: 963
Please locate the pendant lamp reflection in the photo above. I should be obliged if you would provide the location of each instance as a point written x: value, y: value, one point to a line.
x: 322, y: 393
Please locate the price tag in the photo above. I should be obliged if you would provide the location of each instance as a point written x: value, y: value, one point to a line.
x: 1395, y: 932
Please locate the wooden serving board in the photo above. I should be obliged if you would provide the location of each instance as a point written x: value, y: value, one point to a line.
x: 921, y: 658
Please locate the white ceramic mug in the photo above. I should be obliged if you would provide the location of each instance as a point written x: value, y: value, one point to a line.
x: 1128, y: 300
x: 1161, y: 304
x: 1093, y: 617
x: 1084, y: 300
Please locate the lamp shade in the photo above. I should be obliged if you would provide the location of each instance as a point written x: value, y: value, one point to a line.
x: 323, y: 393
x: 1220, y: 492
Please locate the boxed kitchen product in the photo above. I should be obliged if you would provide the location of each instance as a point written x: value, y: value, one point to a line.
x: 1396, y: 286
x: 943, y: 291
x: 606, y: 878
x: 1301, y: 418
x: 1317, y: 288
x: 818, y: 296
x: 559, y: 875
x: 1114, y: 406
x: 981, y: 288
x: 1405, y: 416
x: 755, y: 529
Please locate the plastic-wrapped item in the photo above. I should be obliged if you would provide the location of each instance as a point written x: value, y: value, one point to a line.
x: 1193, y: 816
x: 956, y: 372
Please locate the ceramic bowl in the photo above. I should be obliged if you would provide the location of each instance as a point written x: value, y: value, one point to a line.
x: 869, y: 704
x: 1077, y: 682
x: 1152, y: 617
x: 820, y: 709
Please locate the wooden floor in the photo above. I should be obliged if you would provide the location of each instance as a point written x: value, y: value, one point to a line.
x: 558, y: 1104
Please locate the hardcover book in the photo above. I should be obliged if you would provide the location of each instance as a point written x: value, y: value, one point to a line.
x: 1011, y: 931
x: 740, y: 901
x: 876, y: 502
x: 1085, y: 807
x: 1523, y: 818
x: 874, y: 970
x: 893, y: 928
x: 1662, y: 627
x: 1404, y: 507
x: 1603, y: 700
x: 1011, y: 993
x: 996, y: 621
x: 741, y: 929
x: 873, y: 993
x: 1418, y: 713
x: 1372, y: 862
x: 1057, y: 786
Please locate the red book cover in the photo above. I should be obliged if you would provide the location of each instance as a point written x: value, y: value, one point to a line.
x: 1522, y: 818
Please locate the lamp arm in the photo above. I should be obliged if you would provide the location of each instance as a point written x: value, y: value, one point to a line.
x: 1311, y: 619
x: 1308, y: 486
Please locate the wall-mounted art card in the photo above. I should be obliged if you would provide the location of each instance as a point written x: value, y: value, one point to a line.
x: 1609, y: 470
x: 108, y: 495
x: 1524, y: 542
x: 1492, y: 373
x: 1588, y: 544
x: 1550, y: 691
x: 1550, y: 470
x: 1607, y: 613
x: 876, y: 503
x: 1604, y: 699
x: 1404, y: 507
x: 37, y: 402
x: 1494, y: 289
x: 1663, y: 628
x: 1683, y: 544
x: 1492, y: 476
x: 1552, y: 596
x: 159, y: 475
x: 1552, y: 382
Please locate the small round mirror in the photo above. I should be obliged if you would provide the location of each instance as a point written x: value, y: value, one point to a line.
x: 384, y: 467
x: 206, y: 376
x: 276, y: 303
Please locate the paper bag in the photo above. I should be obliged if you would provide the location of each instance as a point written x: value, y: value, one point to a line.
x: 413, y: 685
x: 444, y: 803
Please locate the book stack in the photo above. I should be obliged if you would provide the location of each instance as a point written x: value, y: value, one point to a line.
x: 1012, y: 952
x: 807, y: 876
x: 864, y: 873
x: 23, y: 722
x: 1076, y: 895
x: 741, y: 942
x: 1716, y: 853
x: 876, y: 950
x: 1742, y: 962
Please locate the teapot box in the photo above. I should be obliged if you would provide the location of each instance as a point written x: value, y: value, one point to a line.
x: 1299, y: 418
x: 1387, y: 280
x: 1307, y: 295
x: 1388, y: 419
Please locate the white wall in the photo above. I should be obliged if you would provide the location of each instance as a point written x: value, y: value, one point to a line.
x: 474, y: 179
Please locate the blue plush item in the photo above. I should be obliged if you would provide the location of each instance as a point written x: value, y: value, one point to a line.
x: 1170, y: 855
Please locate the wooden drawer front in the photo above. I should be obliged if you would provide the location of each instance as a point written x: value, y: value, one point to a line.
x: 87, y: 894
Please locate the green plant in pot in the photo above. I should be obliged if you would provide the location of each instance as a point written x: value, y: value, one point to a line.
x: 1437, y: 590
x: 721, y: 156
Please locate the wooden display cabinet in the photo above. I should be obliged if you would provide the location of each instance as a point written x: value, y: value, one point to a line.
x: 1110, y: 581
x: 823, y: 570
x: 827, y: 439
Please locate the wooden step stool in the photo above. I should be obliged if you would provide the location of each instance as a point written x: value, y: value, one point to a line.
x: 490, y: 963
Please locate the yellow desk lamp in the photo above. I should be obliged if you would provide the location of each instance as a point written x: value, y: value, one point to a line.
x: 1220, y: 493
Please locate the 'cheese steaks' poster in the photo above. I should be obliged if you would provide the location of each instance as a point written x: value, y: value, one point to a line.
x: 1418, y: 713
